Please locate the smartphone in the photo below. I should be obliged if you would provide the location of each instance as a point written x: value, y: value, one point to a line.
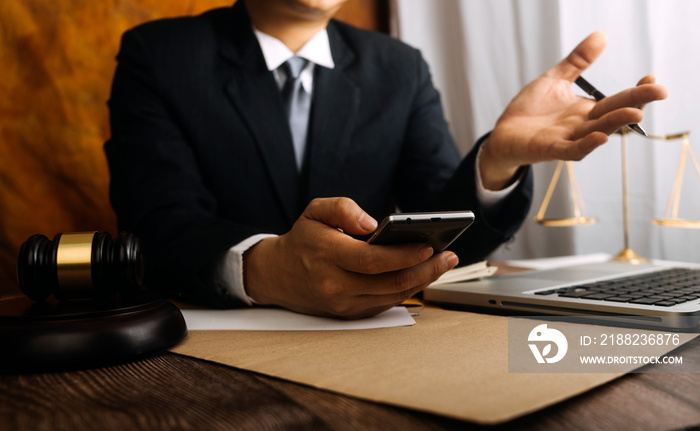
x: 439, y: 229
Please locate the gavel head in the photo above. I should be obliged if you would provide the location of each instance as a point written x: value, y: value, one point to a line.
x: 84, y: 265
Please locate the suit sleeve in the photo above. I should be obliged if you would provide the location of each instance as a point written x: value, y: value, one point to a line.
x: 156, y: 185
x: 433, y: 177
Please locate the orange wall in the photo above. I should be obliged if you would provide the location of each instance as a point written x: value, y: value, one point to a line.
x: 56, y: 64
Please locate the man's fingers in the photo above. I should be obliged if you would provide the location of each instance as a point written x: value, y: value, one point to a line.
x: 355, y: 295
x: 580, y: 58
x: 381, y: 292
x: 363, y: 258
x: 612, y: 121
x: 576, y: 150
x: 342, y: 213
x: 592, y: 134
x: 649, y: 79
x: 635, y: 97
x: 402, y: 281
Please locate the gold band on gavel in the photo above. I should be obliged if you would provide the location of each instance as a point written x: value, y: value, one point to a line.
x: 74, y: 261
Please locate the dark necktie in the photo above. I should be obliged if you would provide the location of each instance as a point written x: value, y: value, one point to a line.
x: 297, y: 103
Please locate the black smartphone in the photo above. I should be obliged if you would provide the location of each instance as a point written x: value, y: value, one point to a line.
x: 439, y: 229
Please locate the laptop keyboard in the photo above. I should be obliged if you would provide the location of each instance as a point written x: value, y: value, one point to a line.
x: 663, y: 288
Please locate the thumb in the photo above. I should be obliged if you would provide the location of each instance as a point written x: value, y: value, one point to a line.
x: 580, y: 58
x: 342, y: 213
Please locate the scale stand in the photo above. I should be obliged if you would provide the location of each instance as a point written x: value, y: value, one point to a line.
x: 627, y: 254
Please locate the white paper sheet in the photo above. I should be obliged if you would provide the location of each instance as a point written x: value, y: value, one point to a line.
x: 273, y: 319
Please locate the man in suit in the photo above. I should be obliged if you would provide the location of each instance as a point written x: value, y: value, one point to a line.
x: 235, y: 205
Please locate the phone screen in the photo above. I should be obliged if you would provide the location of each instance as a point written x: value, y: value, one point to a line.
x: 438, y: 229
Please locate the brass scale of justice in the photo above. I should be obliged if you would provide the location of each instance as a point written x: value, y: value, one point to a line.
x: 670, y: 217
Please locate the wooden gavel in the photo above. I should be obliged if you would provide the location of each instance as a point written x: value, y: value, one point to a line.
x: 83, y: 265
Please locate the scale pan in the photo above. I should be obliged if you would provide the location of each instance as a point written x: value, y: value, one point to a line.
x: 676, y: 222
x: 571, y: 221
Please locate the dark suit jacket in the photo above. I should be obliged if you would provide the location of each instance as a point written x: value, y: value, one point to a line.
x: 201, y: 154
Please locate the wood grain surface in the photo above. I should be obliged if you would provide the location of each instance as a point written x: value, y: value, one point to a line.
x: 172, y: 392
x: 57, y: 61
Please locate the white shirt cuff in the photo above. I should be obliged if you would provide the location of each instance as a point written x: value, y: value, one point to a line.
x: 228, y: 271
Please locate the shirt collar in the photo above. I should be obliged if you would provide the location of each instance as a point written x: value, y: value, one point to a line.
x: 317, y: 50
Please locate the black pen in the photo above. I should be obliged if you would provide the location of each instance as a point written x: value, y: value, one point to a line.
x: 592, y: 91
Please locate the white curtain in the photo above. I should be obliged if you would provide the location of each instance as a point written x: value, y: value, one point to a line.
x: 482, y: 52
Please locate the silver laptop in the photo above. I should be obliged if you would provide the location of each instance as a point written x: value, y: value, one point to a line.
x: 650, y: 296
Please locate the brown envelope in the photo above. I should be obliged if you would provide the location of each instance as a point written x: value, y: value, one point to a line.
x: 450, y: 363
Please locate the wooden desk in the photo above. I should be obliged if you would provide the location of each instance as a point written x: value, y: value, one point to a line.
x: 173, y: 392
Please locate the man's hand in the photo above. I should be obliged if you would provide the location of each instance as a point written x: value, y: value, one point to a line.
x: 547, y: 121
x: 316, y: 268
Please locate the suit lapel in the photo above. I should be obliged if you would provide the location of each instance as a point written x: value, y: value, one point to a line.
x: 334, y: 111
x: 336, y: 103
x: 254, y: 93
